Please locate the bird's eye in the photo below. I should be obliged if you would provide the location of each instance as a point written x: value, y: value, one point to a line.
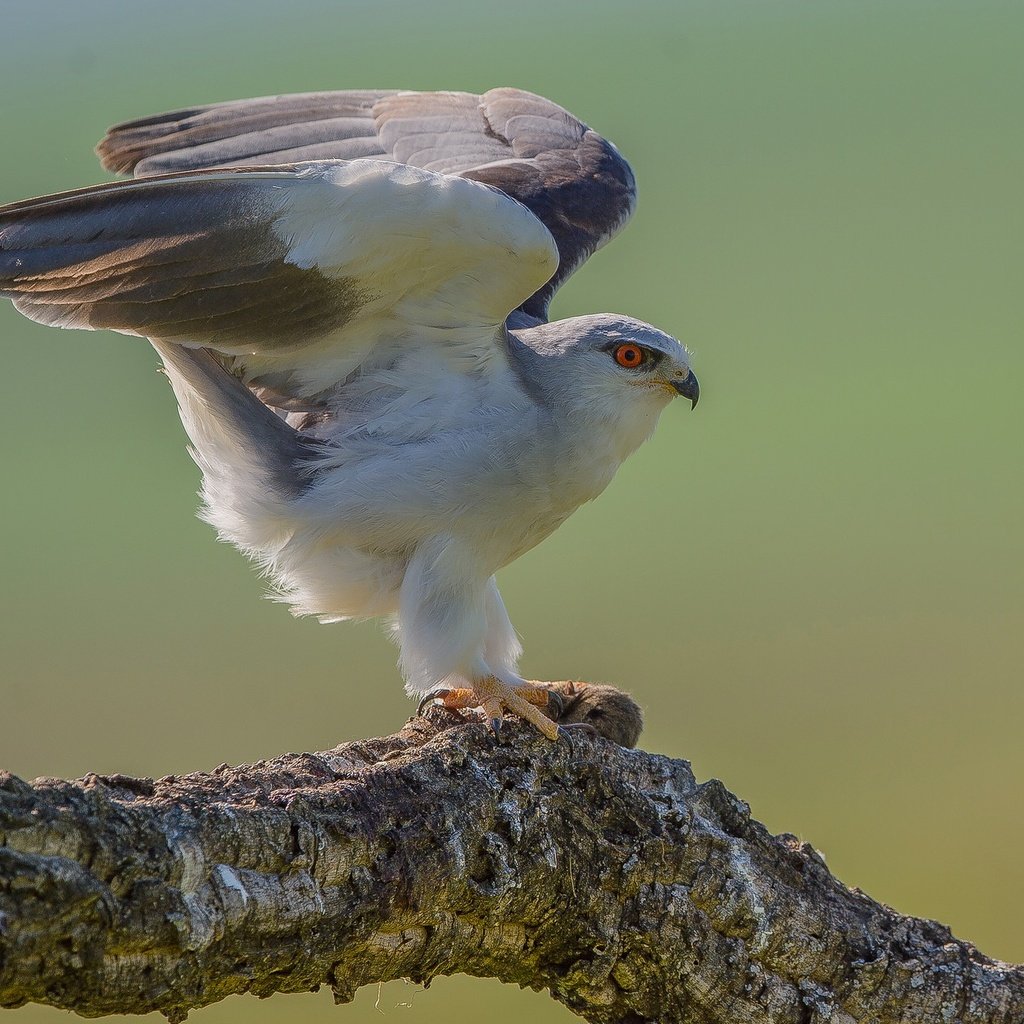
x: 629, y: 355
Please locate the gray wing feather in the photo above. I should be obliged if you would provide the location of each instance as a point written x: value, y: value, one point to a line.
x: 330, y: 136
x: 575, y: 181
x: 197, y: 262
x: 127, y: 146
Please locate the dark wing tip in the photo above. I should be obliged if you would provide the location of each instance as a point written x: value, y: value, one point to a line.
x: 125, y: 144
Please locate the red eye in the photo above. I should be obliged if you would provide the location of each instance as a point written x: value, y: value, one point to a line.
x: 629, y: 355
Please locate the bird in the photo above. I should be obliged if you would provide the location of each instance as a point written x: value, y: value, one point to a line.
x: 349, y: 293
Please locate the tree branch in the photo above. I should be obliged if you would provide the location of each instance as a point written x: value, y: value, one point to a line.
x: 607, y: 876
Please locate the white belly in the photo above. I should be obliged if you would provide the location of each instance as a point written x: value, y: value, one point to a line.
x: 499, y: 482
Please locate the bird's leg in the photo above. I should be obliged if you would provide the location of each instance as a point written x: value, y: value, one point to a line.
x: 496, y: 697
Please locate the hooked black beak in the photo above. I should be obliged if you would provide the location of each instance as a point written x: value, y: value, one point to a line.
x: 688, y: 388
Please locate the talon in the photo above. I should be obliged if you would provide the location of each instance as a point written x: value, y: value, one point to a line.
x: 584, y: 727
x: 433, y: 695
x: 556, y: 704
x: 494, y: 697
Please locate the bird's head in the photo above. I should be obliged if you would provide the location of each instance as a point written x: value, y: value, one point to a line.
x: 609, y: 367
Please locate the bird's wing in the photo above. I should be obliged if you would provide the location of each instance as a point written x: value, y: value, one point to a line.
x: 301, y: 271
x: 575, y: 181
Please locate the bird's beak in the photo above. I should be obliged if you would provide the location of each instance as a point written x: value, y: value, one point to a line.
x: 688, y: 388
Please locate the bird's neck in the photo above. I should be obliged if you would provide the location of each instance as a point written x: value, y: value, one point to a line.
x: 596, y: 441
x: 617, y: 430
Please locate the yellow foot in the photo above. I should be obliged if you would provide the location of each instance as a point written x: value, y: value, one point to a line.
x: 495, y: 697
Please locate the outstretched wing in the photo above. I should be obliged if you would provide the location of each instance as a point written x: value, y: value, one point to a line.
x: 300, y: 271
x: 528, y: 147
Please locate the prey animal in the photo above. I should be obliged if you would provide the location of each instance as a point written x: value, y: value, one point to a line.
x: 349, y: 293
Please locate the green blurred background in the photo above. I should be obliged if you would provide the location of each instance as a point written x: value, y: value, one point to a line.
x: 814, y: 584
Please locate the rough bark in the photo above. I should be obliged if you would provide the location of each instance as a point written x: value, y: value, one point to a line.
x: 607, y: 876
